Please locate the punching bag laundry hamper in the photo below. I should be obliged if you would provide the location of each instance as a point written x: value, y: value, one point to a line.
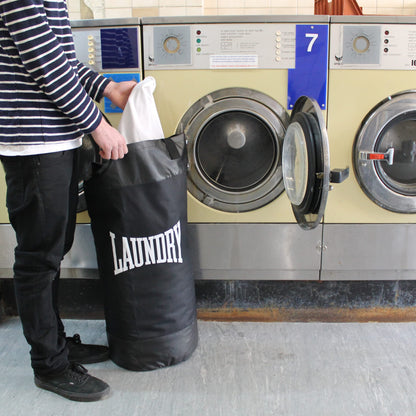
x: 138, y: 216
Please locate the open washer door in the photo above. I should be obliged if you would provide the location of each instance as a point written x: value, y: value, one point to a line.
x: 305, y: 163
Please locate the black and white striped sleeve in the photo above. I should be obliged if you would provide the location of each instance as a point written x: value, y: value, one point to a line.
x: 93, y: 82
x: 45, y: 60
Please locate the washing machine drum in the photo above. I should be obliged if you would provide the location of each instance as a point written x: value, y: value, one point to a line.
x: 385, y: 153
x: 235, y: 138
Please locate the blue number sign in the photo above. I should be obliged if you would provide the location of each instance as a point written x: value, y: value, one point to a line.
x: 310, y: 76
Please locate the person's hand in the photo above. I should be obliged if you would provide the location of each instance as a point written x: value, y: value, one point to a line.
x: 118, y: 92
x: 111, y: 143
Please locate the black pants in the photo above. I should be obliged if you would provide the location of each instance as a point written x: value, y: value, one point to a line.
x: 41, y: 201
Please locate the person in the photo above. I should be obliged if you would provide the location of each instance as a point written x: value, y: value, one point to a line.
x: 46, y: 107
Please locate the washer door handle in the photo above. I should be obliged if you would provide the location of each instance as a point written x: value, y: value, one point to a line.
x: 388, y: 156
x: 339, y: 175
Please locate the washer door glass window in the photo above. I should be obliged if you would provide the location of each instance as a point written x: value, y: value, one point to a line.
x: 385, y: 153
x: 399, y: 135
x: 295, y: 173
x: 305, y: 163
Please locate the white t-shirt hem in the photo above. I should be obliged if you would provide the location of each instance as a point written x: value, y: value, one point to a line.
x: 38, y: 149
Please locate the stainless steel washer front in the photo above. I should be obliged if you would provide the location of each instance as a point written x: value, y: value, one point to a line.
x: 385, y: 153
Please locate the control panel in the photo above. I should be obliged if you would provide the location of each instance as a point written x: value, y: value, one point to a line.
x: 373, y: 46
x: 112, y: 51
x: 108, y: 49
x: 220, y: 46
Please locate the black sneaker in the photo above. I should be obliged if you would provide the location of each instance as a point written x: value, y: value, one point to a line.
x: 74, y: 383
x: 85, y: 353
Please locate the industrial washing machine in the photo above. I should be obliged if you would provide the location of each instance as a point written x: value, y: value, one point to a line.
x: 370, y: 225
x: 111, y: 47
x: 227, y: 82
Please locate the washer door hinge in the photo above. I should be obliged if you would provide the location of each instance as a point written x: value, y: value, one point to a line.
x: 321, y: 246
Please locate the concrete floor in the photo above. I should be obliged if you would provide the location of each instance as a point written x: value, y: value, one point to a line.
x: 241, y: 369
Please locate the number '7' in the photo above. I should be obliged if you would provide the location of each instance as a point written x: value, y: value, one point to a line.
x: 313, y: 37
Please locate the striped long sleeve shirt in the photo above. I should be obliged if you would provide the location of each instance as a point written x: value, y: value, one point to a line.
x: 46, y: 95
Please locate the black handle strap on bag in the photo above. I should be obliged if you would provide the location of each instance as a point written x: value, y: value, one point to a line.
x: 172, y: 149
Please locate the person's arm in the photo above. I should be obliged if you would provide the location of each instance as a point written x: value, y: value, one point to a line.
x: 118, y: 93
x: 44, y: 59
x: 111, y: 143
x: 97, y: 86
x: 93, y: 82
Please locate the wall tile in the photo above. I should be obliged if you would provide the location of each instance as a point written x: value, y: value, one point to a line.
x: 145, y: 11
x: 194, y: 11
x: 256, y: 11
x: 370, y: 10
x: 389, y: 4
x: 118, y: 13
x: 309, y: 4
x: 145, y: 3
x: 172, y: 11
x: 210, y: 4
x: 230, y: 12
x: 172, y: 3
x: 194, y: 3
x: 138, y: 8
x: 119, y: 4
x: 285, y: 10
x: 390, y: 11
x: 74, y: 6
x: 256, y: 4
x: 283, y: 3
x: 231, y: 4
x: 211, y: 12
x: 75, y: 15
x: 306, y: 10
x: 367, y: 3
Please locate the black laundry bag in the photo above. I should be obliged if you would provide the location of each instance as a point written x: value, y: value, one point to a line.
x: 138, y: 216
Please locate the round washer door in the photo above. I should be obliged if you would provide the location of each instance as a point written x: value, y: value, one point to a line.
x: 234, y: 147
x: 305, y: 163
x: 384, y: 153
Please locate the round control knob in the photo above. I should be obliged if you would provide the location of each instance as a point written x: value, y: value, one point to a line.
x: 171, y: 44
x: 361, y: 44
